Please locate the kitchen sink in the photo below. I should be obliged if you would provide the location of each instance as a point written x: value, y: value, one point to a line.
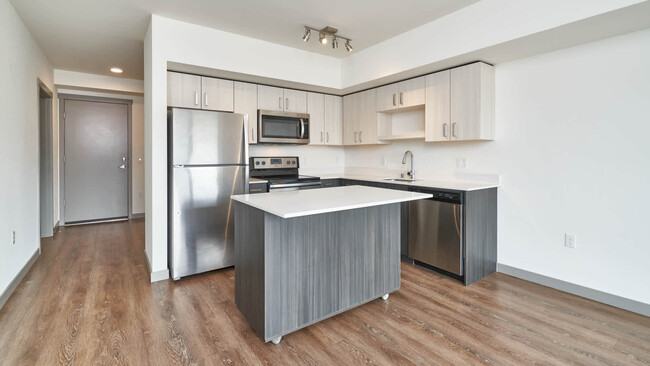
x: 400, y: 179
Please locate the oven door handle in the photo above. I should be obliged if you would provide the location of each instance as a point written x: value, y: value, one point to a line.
x: 302, y: 128
x: 289, y: 185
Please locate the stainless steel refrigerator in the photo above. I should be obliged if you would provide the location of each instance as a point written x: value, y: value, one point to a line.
x: 208, y: 162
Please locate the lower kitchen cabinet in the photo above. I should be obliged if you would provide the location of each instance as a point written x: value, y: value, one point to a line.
x: 258, y: 187
x: 333, y: 182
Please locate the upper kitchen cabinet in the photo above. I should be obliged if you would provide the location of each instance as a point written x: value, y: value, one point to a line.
x: 460, y: 104
x: 199, y: 92
x: 270, y: 98
x: 281, y: 100
x: 295, y: 101
x: 246, y: 103
x: 217, y: 94
x: 183, y: 90
x: 360, y: 118
x: 405, y: 94
x: 333, y: 120
x: 325, y: 119
x: 316, y: 110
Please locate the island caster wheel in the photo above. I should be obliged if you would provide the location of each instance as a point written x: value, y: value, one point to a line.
x: 276, y: 340
x: 384, y: 297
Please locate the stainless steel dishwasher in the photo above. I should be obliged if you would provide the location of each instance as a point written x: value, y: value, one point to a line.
x: 435, y: 230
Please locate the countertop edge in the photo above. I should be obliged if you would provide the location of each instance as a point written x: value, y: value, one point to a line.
x: 481, y: 186
x: 333, y: 209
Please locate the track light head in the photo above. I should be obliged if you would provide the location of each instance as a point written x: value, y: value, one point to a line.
x: 335, y: 43
x: 307, y: 35
x: 322, y: 38
x: 348, y: 46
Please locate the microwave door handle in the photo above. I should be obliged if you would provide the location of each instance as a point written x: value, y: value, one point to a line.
x: 302, y: 128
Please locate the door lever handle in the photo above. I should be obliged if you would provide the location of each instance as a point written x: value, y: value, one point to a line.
x: 123, y: 166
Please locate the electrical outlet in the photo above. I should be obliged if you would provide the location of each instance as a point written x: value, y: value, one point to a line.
x: 461, y: 163
x: 570, y: 241
x: 13, y: 237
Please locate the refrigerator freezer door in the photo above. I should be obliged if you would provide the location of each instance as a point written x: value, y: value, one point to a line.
x: 202, y: 217
x: 207, y: 138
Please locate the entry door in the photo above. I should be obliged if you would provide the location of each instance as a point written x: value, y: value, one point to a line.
x: 95, y: 161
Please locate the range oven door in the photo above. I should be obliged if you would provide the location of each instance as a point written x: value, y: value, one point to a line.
x: 294, y: 186
x: 282, y: 128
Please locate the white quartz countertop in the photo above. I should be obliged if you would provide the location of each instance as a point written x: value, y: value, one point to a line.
x: 288, y: 204
x: 426, y: 183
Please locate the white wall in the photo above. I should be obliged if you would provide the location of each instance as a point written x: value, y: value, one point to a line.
x: 21, y: 62
x: 474, y: 28
x: 572, y: 151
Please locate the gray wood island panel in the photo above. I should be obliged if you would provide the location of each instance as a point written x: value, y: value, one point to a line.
x: 293, y: 272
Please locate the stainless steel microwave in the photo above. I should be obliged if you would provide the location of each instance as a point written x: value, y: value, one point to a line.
x: 282, y: 127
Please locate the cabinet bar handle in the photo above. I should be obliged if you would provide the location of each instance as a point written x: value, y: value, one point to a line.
x: 196, y: 98
x: 286, y: 106
x: 355, y: 136
x: 394, y: 102
x: 206, y: 99
x: 321, y: 136
x: 360, y: 136
x: 444, y: 130
x: 327, y: 137
x: 280, y: 103
x: 253, y: 135
x: 401, y: 98
x: 453, y: 129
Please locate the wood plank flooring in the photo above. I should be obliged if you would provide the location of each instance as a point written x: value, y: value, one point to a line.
x: 88, y: 301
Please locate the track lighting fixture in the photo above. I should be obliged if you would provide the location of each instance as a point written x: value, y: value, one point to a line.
x: 348, y: 46
x: 326, y: 32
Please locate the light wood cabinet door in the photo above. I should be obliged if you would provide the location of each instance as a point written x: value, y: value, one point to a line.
x: 472, y: 102
x: 316, y: 110
x: 246, y: 103
x: 270, y: 98
x: 387, y: 98
x: 333, y: 120
x: 411, y: 92
x: 437, y: 109
x: 350, y: 119
x: 295, y: 101
x: 218, y: 94
x: 183, y: 90
x: 368, y: 117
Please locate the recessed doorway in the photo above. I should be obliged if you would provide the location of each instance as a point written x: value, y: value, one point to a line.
x: 96, y: 149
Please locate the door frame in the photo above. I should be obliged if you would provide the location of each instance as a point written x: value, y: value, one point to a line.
x: 85, y: 98
x: 46, y: 129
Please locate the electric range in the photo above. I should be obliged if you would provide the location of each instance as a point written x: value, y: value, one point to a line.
x: 282, y: 173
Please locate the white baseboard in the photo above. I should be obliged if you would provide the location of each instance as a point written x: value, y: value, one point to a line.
x: 586, y: 292
x: 6, y: 294
x: 158, y: 275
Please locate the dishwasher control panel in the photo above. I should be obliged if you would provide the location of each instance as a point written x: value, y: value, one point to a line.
x: 442, y: 196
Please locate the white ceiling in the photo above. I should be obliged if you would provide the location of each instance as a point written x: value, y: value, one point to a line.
x: 92, y: 36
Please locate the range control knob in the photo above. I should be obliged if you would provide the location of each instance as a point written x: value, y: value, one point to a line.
x: 257, y: 163
x: 264, y: 163
x: 293, y: 162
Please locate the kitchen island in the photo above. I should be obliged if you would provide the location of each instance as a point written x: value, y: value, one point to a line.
x: 304, y: 256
